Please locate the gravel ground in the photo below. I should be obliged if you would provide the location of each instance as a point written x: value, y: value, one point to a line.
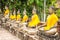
x: 5, y: 35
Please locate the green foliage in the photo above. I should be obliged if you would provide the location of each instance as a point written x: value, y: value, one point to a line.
x: 58, y: 12
x: 28, y: 5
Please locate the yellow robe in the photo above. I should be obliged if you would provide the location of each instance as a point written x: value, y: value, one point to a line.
x: 12, y: 17
x: 6, y: 12
x: 18, y: 17
x: 34, y: 21
x: 25, y: 18
x: 51, y: 21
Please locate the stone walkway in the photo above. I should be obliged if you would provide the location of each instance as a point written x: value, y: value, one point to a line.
x: 5, y: 35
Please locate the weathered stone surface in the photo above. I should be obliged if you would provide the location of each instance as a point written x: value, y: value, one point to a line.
x: 5, y: 35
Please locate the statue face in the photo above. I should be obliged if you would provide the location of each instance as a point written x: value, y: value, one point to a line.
x: 6, y: 7
x: 0, y: 10
x: 18, y: 11
x: 51, y: 10
x: 24, y: 13
x: 33, y: 12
